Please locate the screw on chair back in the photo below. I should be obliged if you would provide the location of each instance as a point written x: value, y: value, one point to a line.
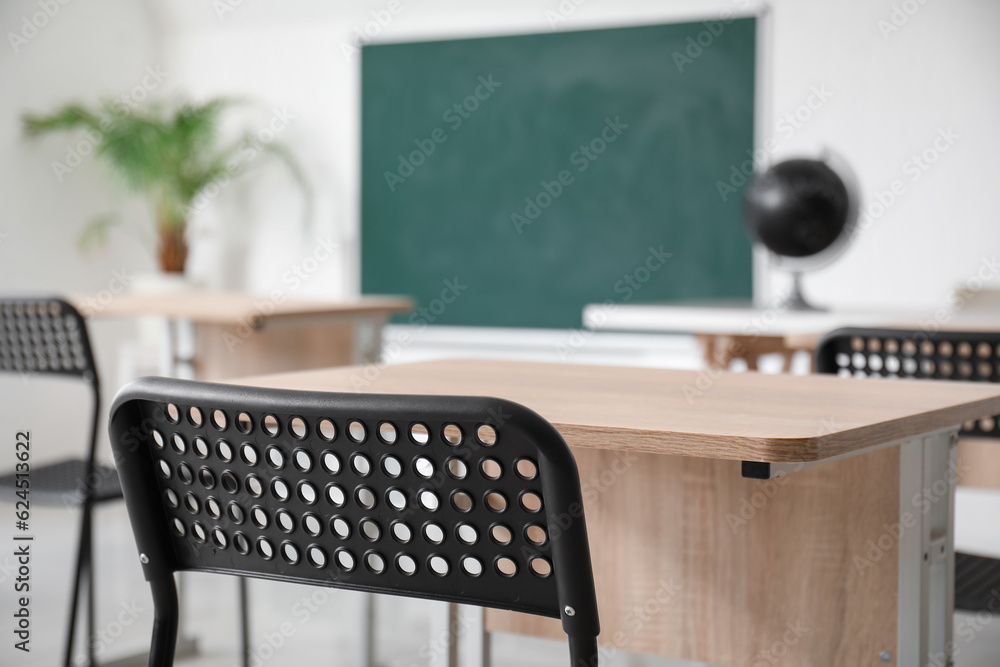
x: 937, y: 355
x: 460, y: 499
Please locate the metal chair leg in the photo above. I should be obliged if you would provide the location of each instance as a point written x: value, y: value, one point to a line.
x: 91, y: 597
x: 583, y: 651
x: 244, y: 603
x: 166, y: 620
x: 77, y: 585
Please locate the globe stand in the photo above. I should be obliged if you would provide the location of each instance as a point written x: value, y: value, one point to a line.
x: 795, y: 300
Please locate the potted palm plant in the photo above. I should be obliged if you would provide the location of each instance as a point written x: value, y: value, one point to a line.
x: 167, y: 153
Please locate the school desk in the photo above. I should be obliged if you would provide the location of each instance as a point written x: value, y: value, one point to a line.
x: 216, y: 334
x: 727, y: 332
x: 842, y: 556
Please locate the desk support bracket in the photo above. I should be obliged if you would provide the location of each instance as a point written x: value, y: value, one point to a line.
x: 925, y: 537
x: 927, y: 477
x: 765, y: 470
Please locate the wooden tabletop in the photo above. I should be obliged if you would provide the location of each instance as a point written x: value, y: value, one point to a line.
x: 233, y: 308
x: 743, y: 416
x: 732, y: 319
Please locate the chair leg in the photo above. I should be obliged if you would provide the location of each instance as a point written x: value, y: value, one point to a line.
x: 91, y: 597
x: 583, y: 651
x: 244, y: 603
x: 165, y: 622
x: 81, y: 550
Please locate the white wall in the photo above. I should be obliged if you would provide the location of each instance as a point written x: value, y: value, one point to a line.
x: 890, y: 96
x: 891, y: 93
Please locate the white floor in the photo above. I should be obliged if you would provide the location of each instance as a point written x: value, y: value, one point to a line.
x: 291, y: 624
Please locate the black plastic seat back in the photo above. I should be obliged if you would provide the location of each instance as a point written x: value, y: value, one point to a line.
x: 468, y: 500
x: 938, y: 355
x: 44, y: 336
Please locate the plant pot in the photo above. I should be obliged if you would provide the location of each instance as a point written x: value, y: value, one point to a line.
x: 173, y: 248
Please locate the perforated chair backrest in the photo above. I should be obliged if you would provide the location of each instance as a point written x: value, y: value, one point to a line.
x: 938, y: 355
x: 469, y: 500
x: 45, y: 336
x: 48, y: 336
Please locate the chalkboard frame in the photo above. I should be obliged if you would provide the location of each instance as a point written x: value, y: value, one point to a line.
x: 449, y: 301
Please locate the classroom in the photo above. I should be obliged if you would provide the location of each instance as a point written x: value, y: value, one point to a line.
x: 384, y: 333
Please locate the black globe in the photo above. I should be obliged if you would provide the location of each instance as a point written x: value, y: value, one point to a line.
x: 797, y: 208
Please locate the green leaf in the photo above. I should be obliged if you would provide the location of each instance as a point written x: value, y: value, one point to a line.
x: 95, y: 233
x: 166, y: 152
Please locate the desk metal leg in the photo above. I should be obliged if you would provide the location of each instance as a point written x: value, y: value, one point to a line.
x: 367, y: 341
x: 459, y: 637
x: 243, y: 600
x: 368, y: 631
x: 472, y: 642
x: 928, y: 474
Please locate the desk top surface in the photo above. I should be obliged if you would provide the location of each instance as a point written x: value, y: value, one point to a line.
x: 232, y: 308
x: 735, y: 319
x: 743, y: 416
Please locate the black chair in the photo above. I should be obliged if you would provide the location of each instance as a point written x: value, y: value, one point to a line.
x: 459, y: 499
x: 47, y: 336
x: 940, y: 355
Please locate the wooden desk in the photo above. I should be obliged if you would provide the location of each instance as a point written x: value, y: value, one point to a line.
x: 728, y: 332
x: 695, y: 562
x: 213, y: 335
x: 233, y: 333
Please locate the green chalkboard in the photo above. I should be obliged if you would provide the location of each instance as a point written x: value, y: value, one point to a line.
x: 543, y: 172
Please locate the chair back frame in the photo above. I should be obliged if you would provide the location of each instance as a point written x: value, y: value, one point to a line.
x: 48, y: 336
x: 932, y: 355
x: 461, y: 499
